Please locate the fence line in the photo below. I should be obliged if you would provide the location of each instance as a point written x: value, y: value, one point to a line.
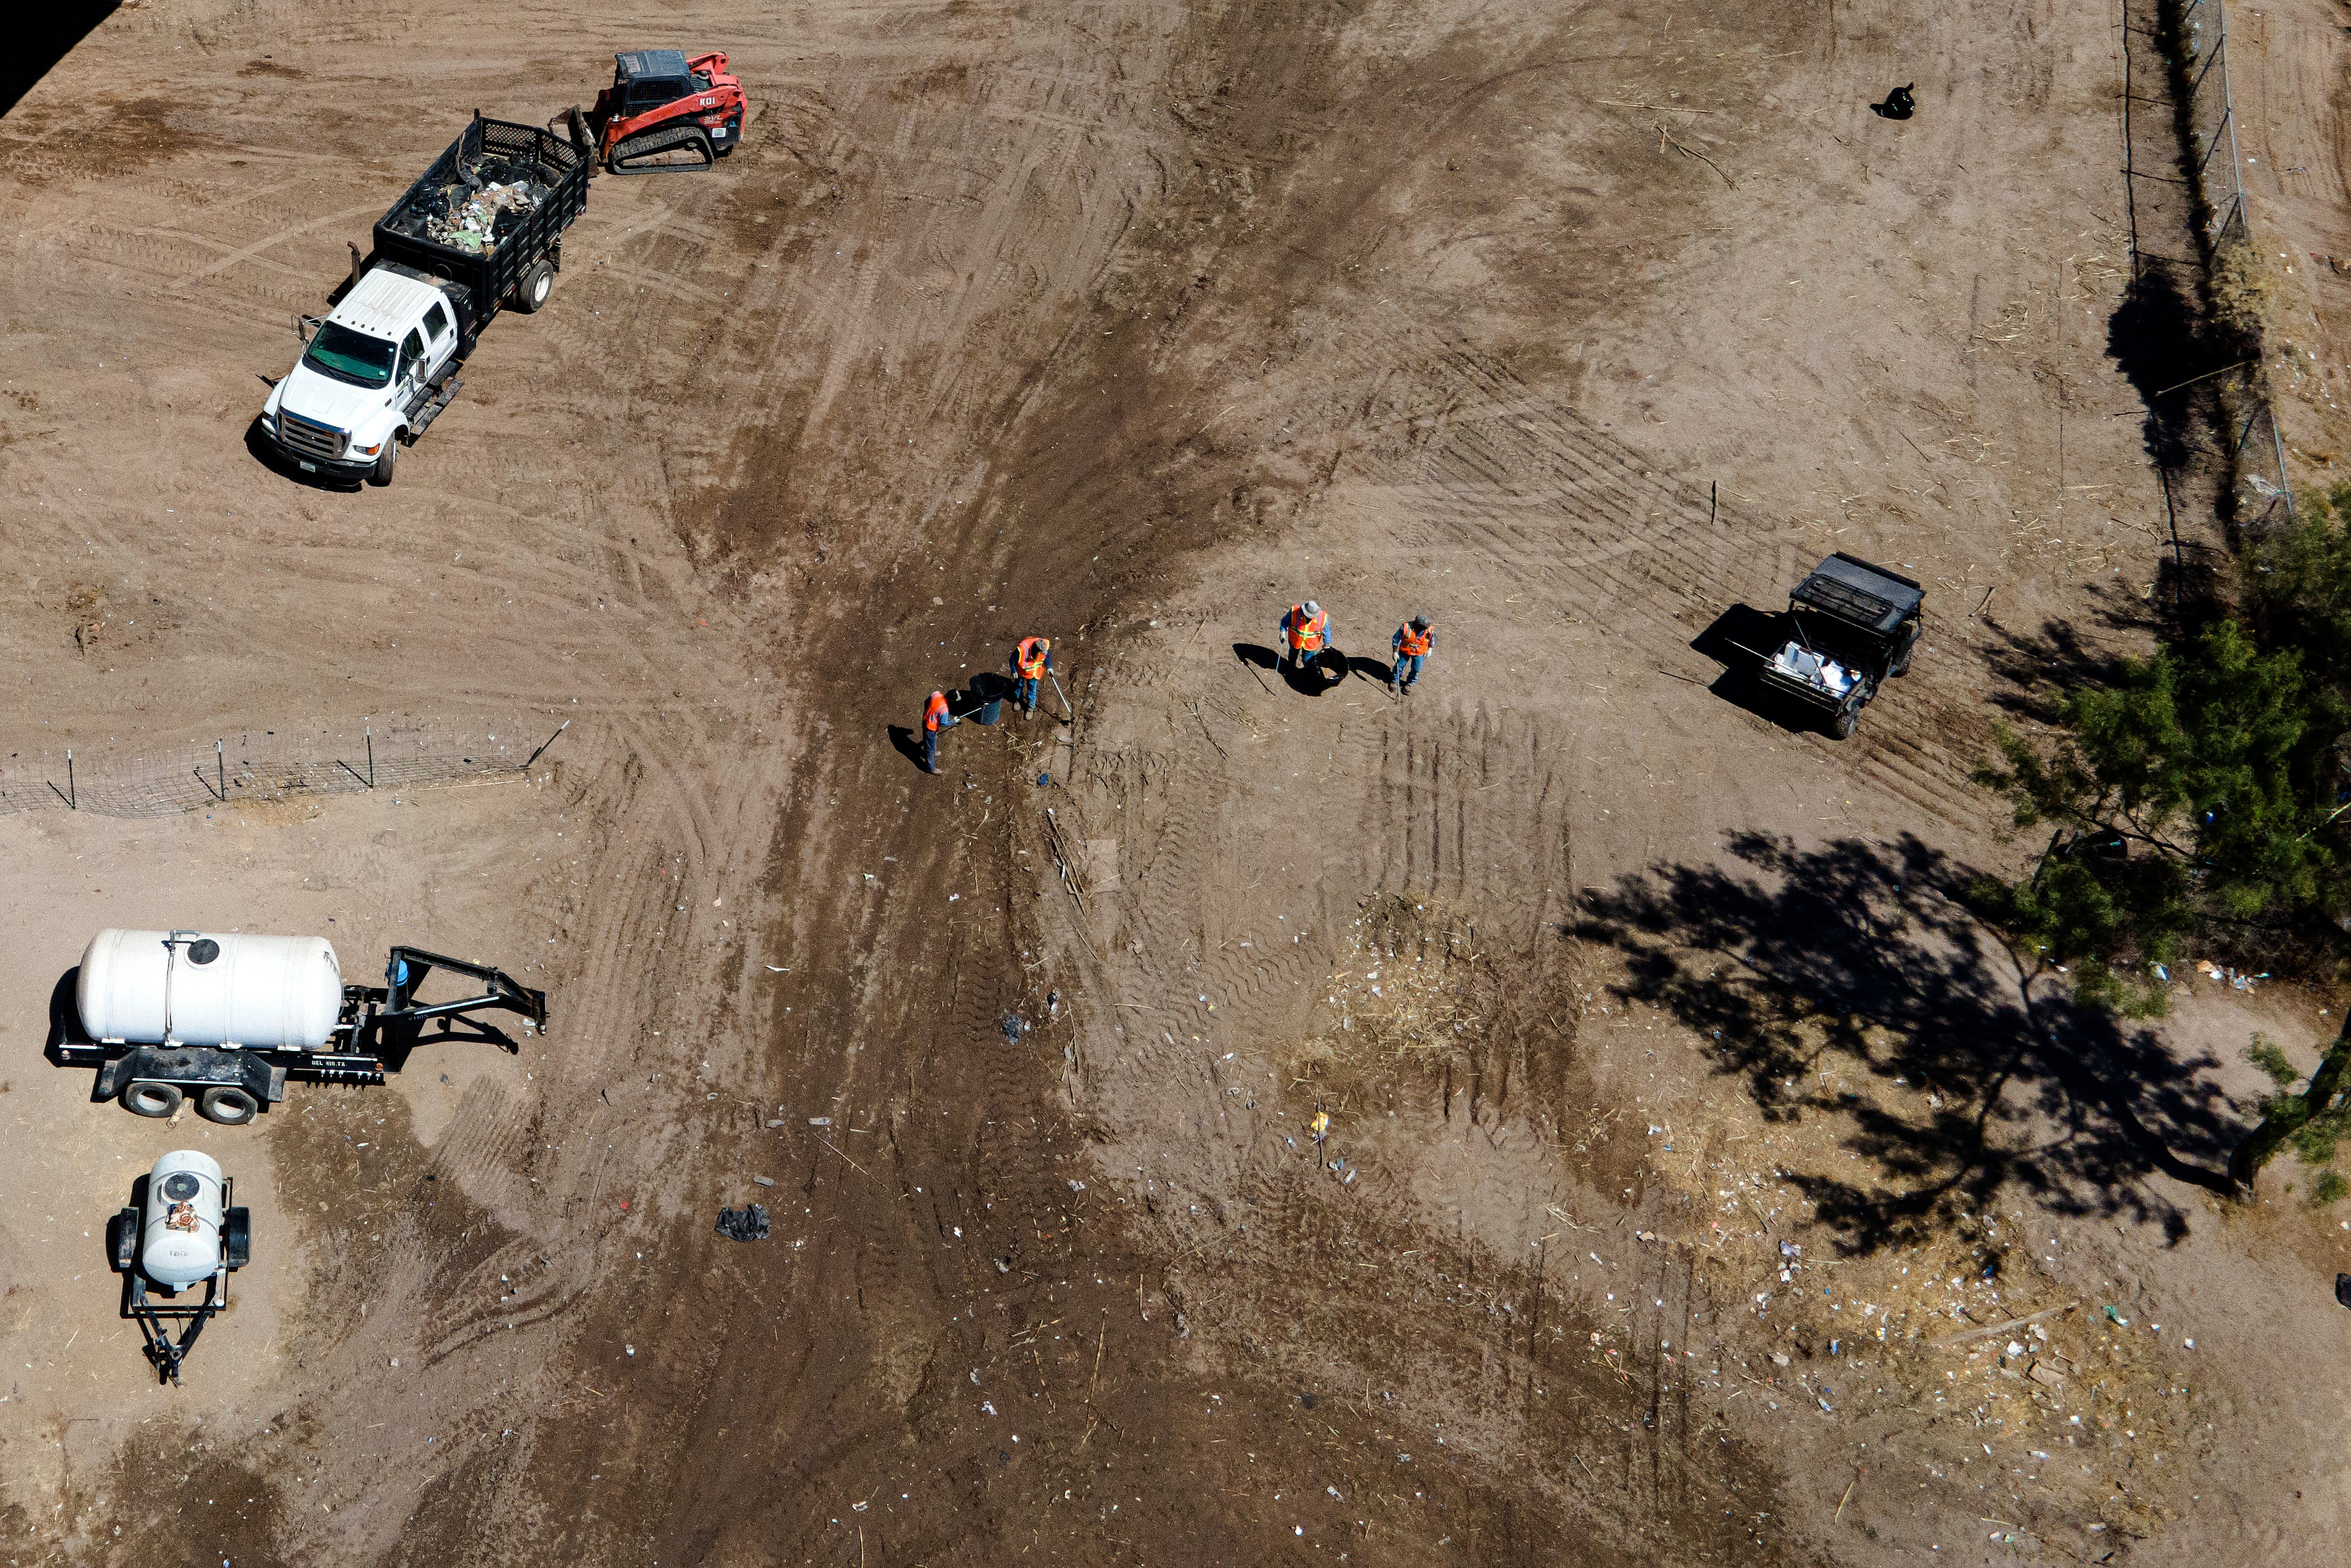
x: 251, y: 766
x: 2210, y: 110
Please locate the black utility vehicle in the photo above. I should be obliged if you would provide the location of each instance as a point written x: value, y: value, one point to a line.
x: 1856, y: 626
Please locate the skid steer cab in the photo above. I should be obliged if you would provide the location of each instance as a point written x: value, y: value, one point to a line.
x: 225, y: 1019
x: 183, y: 1229
x: 667, y: 114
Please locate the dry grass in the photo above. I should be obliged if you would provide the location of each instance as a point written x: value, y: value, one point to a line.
x: 1411, y: 992
x: 2244, y: 294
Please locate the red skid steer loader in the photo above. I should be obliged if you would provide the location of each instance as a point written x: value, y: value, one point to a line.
x: 664, y: 114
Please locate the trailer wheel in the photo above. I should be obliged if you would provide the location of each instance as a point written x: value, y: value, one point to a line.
x: 122, y: 1240
x: 228, y: 1105
x: 381, y: 474
x: 148, y: 1098
x: 1843, y: 723
x: 536, y: 286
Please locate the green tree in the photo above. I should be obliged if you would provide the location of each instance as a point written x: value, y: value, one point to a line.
x: 2201, y: 796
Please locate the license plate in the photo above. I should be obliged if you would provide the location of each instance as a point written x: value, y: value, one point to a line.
x: 308, y: 467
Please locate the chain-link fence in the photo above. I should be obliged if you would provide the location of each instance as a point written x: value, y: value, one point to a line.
x: 2207, y: 108
x: 250, y: 766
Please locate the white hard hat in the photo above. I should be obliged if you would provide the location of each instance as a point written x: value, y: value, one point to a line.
x: 1312, y: 608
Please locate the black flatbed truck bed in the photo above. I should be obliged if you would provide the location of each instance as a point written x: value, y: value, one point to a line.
x: 486, y: 280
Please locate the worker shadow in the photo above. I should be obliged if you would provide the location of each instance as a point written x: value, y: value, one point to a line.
x: 1852, y: 985
x: 1312, y: 679
x: 1742, y: 639
x: 909, y: 744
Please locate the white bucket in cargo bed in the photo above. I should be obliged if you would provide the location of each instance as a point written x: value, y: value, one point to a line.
x: 185, y: 987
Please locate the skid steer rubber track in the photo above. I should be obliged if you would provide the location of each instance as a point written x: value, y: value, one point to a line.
x: 631, y: 154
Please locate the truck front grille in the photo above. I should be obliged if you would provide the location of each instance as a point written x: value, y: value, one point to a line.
x: 309, y: 437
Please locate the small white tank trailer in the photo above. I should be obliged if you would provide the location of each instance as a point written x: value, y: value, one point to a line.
x: 229, y: 1020
x: 183, y: 1229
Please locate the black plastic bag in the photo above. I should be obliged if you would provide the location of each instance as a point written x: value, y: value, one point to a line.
x: 749, y: 1224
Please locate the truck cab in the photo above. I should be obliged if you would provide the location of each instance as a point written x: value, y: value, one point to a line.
x: 371, y: 368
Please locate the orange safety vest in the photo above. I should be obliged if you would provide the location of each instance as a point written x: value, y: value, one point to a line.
x: 1305, y: 630
x: 1030, y: 658
x: 934, y: 710
x: 1417, y: 644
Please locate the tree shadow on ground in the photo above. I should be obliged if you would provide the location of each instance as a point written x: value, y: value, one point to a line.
x: 1858, y: 958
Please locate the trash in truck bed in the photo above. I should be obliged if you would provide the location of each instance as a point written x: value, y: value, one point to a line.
x: 489, y: 201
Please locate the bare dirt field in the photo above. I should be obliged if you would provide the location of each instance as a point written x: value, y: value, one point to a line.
x: 1684, y: 1132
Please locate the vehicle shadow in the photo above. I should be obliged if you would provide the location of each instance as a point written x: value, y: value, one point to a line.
x: 395, y: 1038
x: 1742, y: 639
x: 277, y: 463
x: 1862, y: 962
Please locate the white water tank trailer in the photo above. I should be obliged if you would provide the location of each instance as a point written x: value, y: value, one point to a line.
x: 183, y: 988
x: 228, y: 1018
x: 184, y: 1230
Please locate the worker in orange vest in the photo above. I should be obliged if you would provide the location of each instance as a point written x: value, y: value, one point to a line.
x: 936, y: 717
x: 1412, y: 641
x: 1305, y: 632
x: 1031, y: 660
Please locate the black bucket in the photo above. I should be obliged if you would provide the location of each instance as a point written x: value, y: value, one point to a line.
x: 990, y: 711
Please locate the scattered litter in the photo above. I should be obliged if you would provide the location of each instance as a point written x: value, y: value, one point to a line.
x: 820, y: 1120
x: 2117, y: 1317
x: 764, y: 1181
x: 1043, y: 779
x: 747, y: 1224
x: 1014, y: 1027
x: 776, y: 1122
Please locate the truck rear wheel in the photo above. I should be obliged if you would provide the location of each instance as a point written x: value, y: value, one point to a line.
x: 381, y: 474
x: 1843, y: 723
x: 148, y: 1098
x: 1902, y: 654
x: 228, y: 1105
x: 536, y: 286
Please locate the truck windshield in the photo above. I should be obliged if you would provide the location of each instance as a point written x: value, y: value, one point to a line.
x: 349, y: 356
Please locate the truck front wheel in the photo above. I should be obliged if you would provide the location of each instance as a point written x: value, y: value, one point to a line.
x: 536, y: 286
x: 148, y: 1098
x: 381, y: 473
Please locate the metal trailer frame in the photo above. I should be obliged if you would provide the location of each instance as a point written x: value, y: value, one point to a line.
x: 375, y: 1030
x: 123, y: 1235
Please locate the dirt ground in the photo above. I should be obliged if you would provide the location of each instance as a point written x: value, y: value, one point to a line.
x: 1683, y: 1132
